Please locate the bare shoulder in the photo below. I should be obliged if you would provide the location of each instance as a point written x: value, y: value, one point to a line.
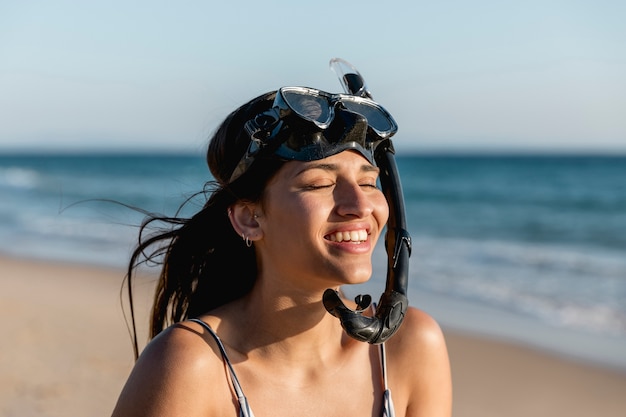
x: 178, y: 373
x: 418, y: 331
x: 419, y: 368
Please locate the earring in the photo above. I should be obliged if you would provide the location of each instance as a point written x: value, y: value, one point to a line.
x: 246, y: 239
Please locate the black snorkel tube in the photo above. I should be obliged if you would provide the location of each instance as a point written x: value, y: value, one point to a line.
x: 391, y: 308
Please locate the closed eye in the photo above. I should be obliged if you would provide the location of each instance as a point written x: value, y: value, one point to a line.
x: 313, y: 187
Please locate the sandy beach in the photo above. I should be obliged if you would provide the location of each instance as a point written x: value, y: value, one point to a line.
x: 66, y: 352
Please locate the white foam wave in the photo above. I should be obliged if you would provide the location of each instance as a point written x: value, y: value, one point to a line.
x: 567, y: 287
x: 14, y: 177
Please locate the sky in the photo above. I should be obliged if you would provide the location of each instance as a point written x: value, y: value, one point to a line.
x: 458, y: 76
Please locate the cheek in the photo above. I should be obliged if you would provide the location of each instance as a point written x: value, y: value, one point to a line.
x: 293, y: 212
x: 381, y: 209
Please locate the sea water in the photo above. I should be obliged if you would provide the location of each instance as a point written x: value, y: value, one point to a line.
x: 526, y: 247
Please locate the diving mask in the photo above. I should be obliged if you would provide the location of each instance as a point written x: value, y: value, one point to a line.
x: 306, y: 124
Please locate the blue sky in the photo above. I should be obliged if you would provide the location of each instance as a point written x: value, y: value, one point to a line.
x: 476, y: 75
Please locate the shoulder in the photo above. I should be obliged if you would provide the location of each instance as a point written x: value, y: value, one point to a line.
x: 418, y: 330
x: 418, y: 343
x: 180, y: 372
x: 418, y: 365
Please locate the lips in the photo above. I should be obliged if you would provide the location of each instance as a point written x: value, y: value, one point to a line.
x: 355, y: 236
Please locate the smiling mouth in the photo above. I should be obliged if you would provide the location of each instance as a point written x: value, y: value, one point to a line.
x: 355, y: 236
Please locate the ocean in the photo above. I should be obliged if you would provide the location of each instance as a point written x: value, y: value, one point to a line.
x: 530, y: 248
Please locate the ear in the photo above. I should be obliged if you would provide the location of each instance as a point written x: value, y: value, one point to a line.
x: 243, y: 218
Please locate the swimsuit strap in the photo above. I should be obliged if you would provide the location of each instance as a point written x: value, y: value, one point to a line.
x: 383, y: 357
x: 388, y: 410
x: 383, y: 365
x: 244, y: 408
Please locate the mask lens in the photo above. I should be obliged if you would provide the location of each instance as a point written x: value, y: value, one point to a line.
x: 308, y: 106
x: 318, y: 107
x: 376, y: 117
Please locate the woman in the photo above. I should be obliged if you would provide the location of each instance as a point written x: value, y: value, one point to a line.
x: 295, y: 210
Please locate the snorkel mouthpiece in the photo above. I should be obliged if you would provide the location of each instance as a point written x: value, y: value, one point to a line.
x: 389, y: 315
x: 393, y: 303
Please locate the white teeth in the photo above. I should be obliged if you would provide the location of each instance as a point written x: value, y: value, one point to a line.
x: 351, y: 236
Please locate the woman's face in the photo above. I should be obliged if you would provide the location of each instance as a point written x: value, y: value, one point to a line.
x: 321, y: 220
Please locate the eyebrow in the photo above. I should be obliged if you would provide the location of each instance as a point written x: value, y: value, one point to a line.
x: 335, y: 167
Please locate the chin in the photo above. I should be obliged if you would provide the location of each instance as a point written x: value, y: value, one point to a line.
x: 358, y: 276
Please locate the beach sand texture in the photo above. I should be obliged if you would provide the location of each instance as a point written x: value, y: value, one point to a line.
x: 65, y: 351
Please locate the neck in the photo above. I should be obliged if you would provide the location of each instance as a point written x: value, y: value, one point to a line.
x: 294, y: 325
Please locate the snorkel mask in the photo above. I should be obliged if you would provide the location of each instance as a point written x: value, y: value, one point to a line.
x: 306, y: 124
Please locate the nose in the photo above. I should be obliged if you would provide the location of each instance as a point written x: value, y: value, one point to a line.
x: 353, y: 201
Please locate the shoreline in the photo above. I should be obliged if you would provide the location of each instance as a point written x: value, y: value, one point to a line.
x: 461, y: 316
x: 67, y: 351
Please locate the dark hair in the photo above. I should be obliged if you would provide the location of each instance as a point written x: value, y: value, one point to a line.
x: 204, y: 263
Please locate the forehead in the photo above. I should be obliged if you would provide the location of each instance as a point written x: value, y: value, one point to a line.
x: 343, y: 161
x: 346, y: 161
